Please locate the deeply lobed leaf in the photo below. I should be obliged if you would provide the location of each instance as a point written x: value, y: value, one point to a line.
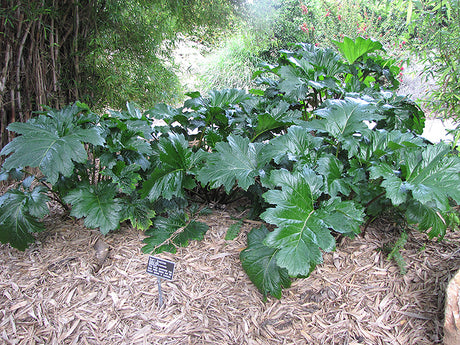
x: 173, y: 175
x: 175, y: 230
x: 303, y: 228
x: 98, y: 204
x: 52, y: 143
x: 19, y: 213
x: 431, y: 175
x: 236, y: 162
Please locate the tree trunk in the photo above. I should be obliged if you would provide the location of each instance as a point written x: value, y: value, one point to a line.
x: 38, y: 64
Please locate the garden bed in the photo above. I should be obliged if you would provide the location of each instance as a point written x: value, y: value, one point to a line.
x: 51, y: 294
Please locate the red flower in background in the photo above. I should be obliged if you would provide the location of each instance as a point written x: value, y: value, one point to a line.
x: 304, y: 9
x: 339, y: 17
x: 304, y: 27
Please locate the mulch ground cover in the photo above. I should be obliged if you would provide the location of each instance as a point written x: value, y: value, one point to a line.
x: 55, y: 292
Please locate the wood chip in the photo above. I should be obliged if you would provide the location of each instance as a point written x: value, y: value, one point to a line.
x: 50, y: 294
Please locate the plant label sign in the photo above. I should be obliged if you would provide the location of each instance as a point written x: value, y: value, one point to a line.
x: 161, y: 268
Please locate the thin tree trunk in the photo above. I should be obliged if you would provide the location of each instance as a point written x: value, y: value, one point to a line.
x: 75, y: 47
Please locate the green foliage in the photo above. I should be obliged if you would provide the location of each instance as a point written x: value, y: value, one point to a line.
x: 233, y: 231
x: 435, y: 37
x: 232, y: 63
x: 303, y: 222
x: 91, y: 162
x: 172, y: 176
x: 97, y: 204
x: 51, y: 142
x: 322, y: 146
x: 128, y: 52
x: 354, y: 49
x: 236, y: 162
x: 259, y: 262
x: 168, y: 233
x: 20, y: 211
x: 395, y: 253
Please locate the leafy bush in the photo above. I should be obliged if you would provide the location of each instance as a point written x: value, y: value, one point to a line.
x: 328, y: 20
x: 322, y: 146
x: 435, y: 31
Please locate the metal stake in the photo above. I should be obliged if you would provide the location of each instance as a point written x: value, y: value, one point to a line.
x: 160, y: 293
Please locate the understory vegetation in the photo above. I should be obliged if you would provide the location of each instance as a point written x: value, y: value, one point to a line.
x: 101, y: 52
x: 423, y: 31
x: 321, y: 147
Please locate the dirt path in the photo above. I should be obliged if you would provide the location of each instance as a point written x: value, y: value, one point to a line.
x: 50, y: 294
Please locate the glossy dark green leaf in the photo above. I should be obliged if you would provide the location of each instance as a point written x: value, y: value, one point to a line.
x: 431, y: 175
x: 139, y: 212
x: 296, y: 145
x: 303, y: 227
x: 52, y: 143
x: 259, y: 262
x: 97, y: 204
x: 278, y: 117
x: 236, y: 162
x: 125, y: 176
x: 19, y: 216
x: 332, y: 169
x: 173, y: 175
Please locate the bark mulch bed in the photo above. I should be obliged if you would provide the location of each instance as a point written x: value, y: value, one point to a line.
x: 52, y: 294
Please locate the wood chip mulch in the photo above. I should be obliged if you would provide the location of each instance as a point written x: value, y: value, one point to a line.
x: 53, y: 294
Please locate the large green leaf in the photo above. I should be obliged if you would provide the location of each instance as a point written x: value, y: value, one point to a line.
x: 343, y: 119
x: 400, y: 113
x: 278, y: 117
x: 138, y: 211
x: 168, y: 233
x: 432, y: 176
x: 427, y: 219
x: 19, y: 214
x: 227, y: 97
x: 325, y: 60
x: 125, y: 176
x: 296, y: 145
x: 352, y: 50
x: 296, y: 80
x: 52, y: 143
x: 259, y: 262
x: 164, y: 112
x: 377, y: 144
x: 172, y: 176
x: 126, y: 142
x: 332, y: 169
x: 237, y: 161
x: 303, y: 227
x: 300, y: 78
x: 98, y: 204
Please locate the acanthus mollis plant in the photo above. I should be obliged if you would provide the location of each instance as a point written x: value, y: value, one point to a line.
x: 322, y: 148
x: 89, y: 162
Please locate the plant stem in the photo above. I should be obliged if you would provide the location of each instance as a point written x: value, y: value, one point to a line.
x: 375, y: 199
